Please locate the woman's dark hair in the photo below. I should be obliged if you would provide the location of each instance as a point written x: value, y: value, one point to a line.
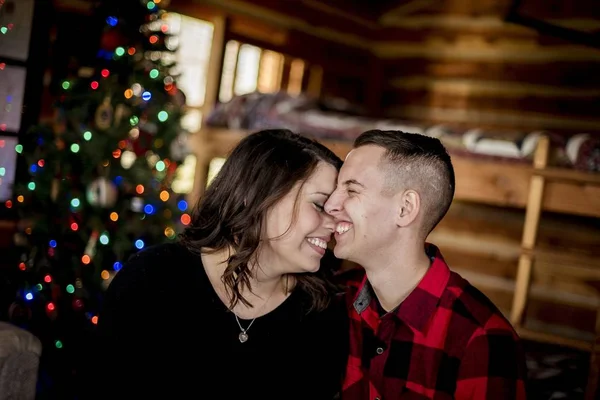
x: 263, y: 168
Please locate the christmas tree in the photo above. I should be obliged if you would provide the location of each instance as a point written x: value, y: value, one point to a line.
x: 97, y: 186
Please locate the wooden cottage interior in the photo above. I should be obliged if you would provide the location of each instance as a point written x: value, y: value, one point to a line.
x: 460, y: 63
x: 525, y: 233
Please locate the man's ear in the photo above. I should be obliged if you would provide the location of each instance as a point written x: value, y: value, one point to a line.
x: 409, y: 205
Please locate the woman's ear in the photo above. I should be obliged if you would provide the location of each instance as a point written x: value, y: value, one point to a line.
x: 409, y: 204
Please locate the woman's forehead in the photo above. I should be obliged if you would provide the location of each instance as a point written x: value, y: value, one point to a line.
x: 322, y: 179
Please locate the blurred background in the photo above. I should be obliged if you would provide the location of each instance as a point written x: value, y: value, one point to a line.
x: 115, y: 116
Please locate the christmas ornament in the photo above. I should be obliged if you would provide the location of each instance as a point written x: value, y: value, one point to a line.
x: 104, y: 115
x: 102, y: 193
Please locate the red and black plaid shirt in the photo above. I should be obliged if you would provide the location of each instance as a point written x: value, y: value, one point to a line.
x: 446, y: 340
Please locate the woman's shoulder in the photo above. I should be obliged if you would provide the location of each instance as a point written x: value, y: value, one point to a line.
x: 157, y: 265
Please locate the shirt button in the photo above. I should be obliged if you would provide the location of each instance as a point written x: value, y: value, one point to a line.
x: 379, y: 351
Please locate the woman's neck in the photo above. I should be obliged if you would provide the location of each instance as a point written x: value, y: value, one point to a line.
x: 264, y: 294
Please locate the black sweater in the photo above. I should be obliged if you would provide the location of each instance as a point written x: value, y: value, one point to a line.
x: 164, y: 333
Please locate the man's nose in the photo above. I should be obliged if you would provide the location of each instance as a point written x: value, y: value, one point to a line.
x: 333, y: 204
x: 329, y: 222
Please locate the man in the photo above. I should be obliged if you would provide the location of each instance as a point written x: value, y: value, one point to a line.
x: 417, y: 330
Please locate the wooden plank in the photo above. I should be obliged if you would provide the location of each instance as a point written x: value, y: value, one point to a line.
x: 404, y: 9
x: 493, y: 87
x: 522, y: 285
x: 551, y: 104
x: 491, y: 182
x: 594, y: 373
x: 559, y: 314
x: 476, y: 49
x: 452, y: 28
x: 195, y: 10
x: 304, y: 19
x: 566, y: 74
x: 560, y: 9
x: 250, y: 28
x: 342, y: 12
x: 502, y: 119
x: 553, y: 338
x: 573, y: 198
x: 530, y: 232
x: 561, y: 265
x: 570, y: 175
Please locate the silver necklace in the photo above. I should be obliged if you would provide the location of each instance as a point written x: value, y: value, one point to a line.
x: 243, y: 336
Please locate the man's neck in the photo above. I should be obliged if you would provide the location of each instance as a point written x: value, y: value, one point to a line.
x: 394, y: 278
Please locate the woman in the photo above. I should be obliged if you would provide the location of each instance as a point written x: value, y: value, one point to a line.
x: 238, y: 308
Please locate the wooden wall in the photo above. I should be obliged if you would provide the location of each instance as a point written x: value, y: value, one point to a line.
x: 451, y: 61
x: 461, y: 63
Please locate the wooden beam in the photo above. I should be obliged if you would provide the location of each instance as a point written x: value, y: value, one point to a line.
x: 480, y: 51
x: 575, y: 108
x: 575, y: 75
x: 338, y: 12
x: 546, y: 28
x: 578, y: 199
x: 533, y: 212
x: 403, y: 10
x: 490, y: 88
x: 454, y: 22
x: 286, y: 20
x: 513, y: 119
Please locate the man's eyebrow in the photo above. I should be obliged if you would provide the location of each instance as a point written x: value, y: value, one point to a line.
x: 353, y: 182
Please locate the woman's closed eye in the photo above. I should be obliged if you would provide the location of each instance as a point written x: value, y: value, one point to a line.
x: 319, y: 207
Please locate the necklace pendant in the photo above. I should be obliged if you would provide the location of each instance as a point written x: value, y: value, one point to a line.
x: 243, y: 336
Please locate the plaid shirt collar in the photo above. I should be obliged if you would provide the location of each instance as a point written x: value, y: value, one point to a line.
x: 416, y: 310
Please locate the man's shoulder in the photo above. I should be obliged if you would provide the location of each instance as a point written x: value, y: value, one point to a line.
x: 468, y: 301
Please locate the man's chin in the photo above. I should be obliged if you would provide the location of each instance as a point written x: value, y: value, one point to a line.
x: 340, y: 251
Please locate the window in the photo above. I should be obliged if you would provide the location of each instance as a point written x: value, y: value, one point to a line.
x: 193, y: 40
x: 248, y: 68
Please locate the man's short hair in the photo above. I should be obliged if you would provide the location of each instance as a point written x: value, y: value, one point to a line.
x: 419, y: 162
